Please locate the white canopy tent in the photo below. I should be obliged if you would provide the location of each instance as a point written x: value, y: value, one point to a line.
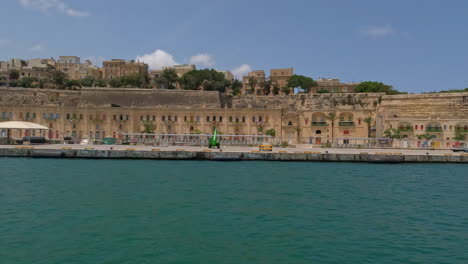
x: 20, y: 126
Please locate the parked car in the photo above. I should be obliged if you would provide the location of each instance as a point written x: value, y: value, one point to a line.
x: 71, y: 140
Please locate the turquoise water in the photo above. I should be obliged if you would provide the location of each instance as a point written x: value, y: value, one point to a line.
x: 119, y: 211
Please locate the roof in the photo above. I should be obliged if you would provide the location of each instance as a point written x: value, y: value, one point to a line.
x: 21, y: 125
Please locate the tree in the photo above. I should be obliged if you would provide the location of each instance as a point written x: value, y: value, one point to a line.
x: 3, y: 81
x: 301, y: 81
x: 13, y: 83
x: 424, y: 136
x: 459, y: 136
x: 375, y: 87
x: 14, y: 74
x: 368, y: 121
x: 454, y: 91
x: 101, y: 83
x: 88, y: 81
x: 236, y: 87
x: 322, y: 90
x: 116, y: 83
x: 168, y: 79
x: 73, y: 83
x: 206, y: 79
x: 252, y: 83
x: 286, y: 90
x: 276, y: 89
x: 266, y: 87
x: 332, y: 117
x: 259, y: 129
x: 270, y: 132
x: 148, y: 127
x: 28, y: 82
x: 59, y: 78
x: 134, y: 80
x: 392, y: 133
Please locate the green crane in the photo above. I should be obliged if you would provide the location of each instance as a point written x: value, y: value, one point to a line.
x: 213, y: 142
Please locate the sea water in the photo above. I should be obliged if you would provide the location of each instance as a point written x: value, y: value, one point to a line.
x: 128, y: 211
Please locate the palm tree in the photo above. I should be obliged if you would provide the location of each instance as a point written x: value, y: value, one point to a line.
x: 368, y: 121
x: 332, y: 117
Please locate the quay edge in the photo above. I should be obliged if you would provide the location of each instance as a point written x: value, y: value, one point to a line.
x: 231, y: 156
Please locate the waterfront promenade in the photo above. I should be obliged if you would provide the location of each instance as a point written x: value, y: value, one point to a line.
x: 233, y: 153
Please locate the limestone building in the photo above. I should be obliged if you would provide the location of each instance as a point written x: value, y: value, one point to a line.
x: 34, y: 68
x: 256, y: 79
x: 118, y: 68
x: 280, y: 77
x: 331, y: 85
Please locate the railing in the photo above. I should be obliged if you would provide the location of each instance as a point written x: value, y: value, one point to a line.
x: 346, y: 124
x: 433, y: 129
x: 461, y: 130
x: 406, y: 129
x: 319, y: 124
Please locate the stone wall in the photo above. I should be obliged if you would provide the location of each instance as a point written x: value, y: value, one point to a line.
x: 110, y: 96
x: 421, y: 112
x: 329, y: 102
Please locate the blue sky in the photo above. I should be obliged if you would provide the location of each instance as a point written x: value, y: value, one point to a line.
x: 416, y: 46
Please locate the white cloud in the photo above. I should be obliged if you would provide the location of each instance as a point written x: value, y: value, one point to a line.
x: 378, y: 31
x: 96, y: 60
x: 202, y: 59
x: 47, y: 5
x: 158, y: 59
x: 37, y: 48
x: 241, y: 71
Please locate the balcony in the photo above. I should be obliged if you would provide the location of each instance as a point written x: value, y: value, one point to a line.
x: 434, y: 129
x: 461, y: 130
x: 406, y: 129
x: 346, y: 124
x: 319, y: 124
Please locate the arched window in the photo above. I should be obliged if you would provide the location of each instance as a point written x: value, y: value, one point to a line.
x: 290, y: 123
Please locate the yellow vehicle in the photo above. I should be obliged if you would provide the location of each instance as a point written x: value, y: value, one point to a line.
x: 265, y: 147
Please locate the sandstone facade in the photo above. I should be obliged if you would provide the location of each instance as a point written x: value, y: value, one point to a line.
x: 104, y: 112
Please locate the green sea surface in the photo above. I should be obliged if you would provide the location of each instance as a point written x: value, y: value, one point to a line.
x: 130, y: 211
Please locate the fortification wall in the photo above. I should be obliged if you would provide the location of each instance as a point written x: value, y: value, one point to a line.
x: 425, y: 106
x: 110, y: 96
x: 320, y: 102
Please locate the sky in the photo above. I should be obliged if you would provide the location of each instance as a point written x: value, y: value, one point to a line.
x: 413, y: 45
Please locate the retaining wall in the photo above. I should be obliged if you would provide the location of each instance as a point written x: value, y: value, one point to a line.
x: 230, y: 156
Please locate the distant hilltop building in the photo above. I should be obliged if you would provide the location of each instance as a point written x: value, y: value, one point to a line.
x: 278, y: 77
x: 34, y: 68
x: 72, y: 66
x: 118, y: 68
x: 257, y: 82
x: 333, y: 85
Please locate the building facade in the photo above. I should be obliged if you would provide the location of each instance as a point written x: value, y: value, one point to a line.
x: 118, y: 68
